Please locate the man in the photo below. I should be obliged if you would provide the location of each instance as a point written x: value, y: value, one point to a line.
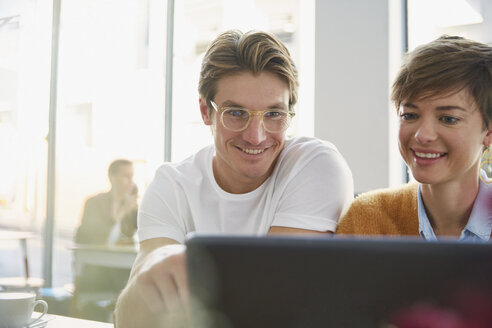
x: 108, y: 217
x: 251, y: 181
x: 111, y: 216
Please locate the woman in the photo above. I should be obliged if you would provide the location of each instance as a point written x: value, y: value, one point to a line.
x: 443, y: 96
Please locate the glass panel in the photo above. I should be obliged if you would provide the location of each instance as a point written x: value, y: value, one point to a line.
x: 111, y: 97
x: 25, y: 33
x: 198, y: 22
x: 110, y: 106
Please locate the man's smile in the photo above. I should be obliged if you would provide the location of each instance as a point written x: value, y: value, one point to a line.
x: 252, y: 151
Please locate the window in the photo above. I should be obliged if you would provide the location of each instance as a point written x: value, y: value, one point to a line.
x: 25, y: 28
x: 429, y: 19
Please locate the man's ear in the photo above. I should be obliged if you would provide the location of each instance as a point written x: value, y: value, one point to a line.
x: 205, y: 112
x: 111, y: 179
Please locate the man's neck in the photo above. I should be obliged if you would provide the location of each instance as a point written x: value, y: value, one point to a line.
x: 238, y: 184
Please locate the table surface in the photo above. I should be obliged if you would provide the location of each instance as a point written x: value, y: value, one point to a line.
x: 105, y: 248
x: 109, y: 256
x: 113, y: 256
x: 15, y: 235
x: 21, y: 237
x: 57, y: 321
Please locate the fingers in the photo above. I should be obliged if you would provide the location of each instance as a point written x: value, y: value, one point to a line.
x: 182, y: 280
x: 174, y: 288
x: 149, y: 293
x: 170, y: 296
x: 163, y: 285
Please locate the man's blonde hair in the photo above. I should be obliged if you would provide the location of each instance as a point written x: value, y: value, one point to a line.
x: 233, y: 52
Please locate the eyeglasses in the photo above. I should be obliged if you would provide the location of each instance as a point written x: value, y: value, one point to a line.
x: 237, y: 119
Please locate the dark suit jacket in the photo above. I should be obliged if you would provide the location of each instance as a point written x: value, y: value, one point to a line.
x: 96, y: 225
x: 98, y: 220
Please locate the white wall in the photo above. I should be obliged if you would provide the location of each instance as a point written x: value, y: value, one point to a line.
x: 352, y: 83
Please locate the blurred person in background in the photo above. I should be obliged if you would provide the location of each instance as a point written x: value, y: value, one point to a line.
x: 108, y: 218
x: 111, y: 217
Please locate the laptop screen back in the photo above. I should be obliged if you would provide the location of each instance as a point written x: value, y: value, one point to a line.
x: 329, y: 282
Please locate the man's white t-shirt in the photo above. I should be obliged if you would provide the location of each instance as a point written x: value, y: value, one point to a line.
x: 310, y: 188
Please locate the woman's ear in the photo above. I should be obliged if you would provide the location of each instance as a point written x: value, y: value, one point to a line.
x: 487, y: 141
x: 205, y: 112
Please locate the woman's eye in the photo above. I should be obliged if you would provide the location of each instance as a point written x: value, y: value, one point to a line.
x: 408, y: 116
x: 449, y: 120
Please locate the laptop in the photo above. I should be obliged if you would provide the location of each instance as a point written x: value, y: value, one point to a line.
x: 310, y: 282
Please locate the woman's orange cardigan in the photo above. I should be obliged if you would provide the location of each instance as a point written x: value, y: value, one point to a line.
x: 383, y: 212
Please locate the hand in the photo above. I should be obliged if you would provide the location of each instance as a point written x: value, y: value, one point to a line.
x: 130, y: 203
x: 157, y: 293
x: 161, y: 283
x: 128, y: 225
x: 127, y: 208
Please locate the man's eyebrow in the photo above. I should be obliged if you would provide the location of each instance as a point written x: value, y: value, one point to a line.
x: 280, y: 106
x: 230, y: 103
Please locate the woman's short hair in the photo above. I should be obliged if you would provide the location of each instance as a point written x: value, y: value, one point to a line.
x: 447, y: 64
x: 233, y: 52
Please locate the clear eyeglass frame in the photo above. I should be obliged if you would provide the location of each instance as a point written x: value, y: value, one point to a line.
x: 260, y: 113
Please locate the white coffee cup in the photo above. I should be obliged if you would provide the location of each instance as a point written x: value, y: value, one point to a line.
x: 16, y: 309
